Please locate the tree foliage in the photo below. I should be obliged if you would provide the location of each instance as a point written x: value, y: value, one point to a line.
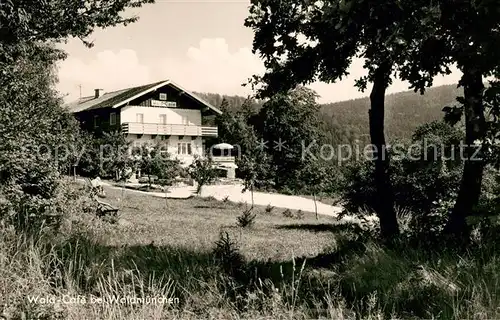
x: 33, y: 125
x: 235, y: 128
x: 415, y: 40
x: 22, y: 21
x: 295, y: 39
x: 154, y: 160
x: 35, y: 130
x: 203, y: 171
x: 304, y: 41
x: 423, y: 175
x: 289, y: 123
x: 344, y: 122
x: 466, y: 33
x: 115, y: 159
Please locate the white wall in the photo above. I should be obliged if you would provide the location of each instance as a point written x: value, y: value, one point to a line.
x: 196, y: 145
x: 152, y: 115
x: 196, y: 148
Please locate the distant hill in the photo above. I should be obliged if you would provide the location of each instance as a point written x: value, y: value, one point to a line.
x: 215, y: 99
x: 348, y: 120
x: 405, y: 111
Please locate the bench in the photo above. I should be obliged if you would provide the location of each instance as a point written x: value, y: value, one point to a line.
x: 103, y: 208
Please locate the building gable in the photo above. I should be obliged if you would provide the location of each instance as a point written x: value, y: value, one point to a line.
x: 147, y: 95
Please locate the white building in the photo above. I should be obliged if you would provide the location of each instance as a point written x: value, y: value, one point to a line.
x: 161, y: 111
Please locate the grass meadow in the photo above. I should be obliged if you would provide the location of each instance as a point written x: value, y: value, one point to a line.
x: 191, y: 257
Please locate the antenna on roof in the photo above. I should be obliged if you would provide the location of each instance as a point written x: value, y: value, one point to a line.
x: 80, y: 86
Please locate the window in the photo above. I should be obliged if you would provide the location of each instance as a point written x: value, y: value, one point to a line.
x: 163, y: 97
x: 96, y: 121
x: 163, y: 118
x: 139, y: 117
x: 112, y: 118
x: 184, y: 148
x: 185, y: 120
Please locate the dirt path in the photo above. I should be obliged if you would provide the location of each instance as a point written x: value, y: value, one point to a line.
x: 234, y: 193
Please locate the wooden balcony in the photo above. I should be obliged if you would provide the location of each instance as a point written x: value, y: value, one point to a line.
x: 209, y: 131
x: 168, y: 129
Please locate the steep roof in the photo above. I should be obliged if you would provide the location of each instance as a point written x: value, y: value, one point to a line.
x: 116, y: 99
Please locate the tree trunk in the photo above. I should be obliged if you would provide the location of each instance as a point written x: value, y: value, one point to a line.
x: 198, y: 187
x: 251, y: 192
x: 123, y: 189
x: 475, y: 128
x: 166, y: 196
x: 384, y: 197
x: 315, y: 206
x: 123, y: 194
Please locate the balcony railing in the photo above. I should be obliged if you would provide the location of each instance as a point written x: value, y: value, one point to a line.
x: 225, y: 162
x: 168, y: 129
x: 223, y: 159
x: 209, y: 131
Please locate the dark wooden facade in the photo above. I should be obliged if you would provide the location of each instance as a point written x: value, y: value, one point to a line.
x: 182, y: 100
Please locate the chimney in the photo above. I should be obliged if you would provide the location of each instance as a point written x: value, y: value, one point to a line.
x: 98, y: 93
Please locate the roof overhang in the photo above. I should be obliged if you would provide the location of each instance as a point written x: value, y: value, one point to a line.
x: 223, y: 146
x: 178, y: 87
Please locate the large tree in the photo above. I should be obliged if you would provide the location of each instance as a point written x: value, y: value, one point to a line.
x: 25, y: 21
x: 35, y: 131
x: 235, y: 128
x: 465, y: 33
x: 33, y: 125
x: 468, y: 34
x: 304, y: 41
x: 287, y: 125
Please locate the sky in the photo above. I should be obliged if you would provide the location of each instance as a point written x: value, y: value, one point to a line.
x: 201, y: 45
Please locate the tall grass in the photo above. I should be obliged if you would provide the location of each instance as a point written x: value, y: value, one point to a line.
x: 356, y: 278
x: 54, y: 278
x: 374, y: 283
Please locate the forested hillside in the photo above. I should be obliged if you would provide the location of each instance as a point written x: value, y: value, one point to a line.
x: 405, y: 111
x: 234, y: 102
x: 348, y: 120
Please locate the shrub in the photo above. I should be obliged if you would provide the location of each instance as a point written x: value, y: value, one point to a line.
x: 300, y: 214
x: 227, y: 254
x: 288, y: 213
x: 247, y: 218
x: 425, y: 180
x: 154, y: 161
x: 287, y: 191
x: 210, y: 199
x: 422, y: 178
x: 106, y: 154
x: 269, y: 208
x: 114, y: 155
x: 489, y: 203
